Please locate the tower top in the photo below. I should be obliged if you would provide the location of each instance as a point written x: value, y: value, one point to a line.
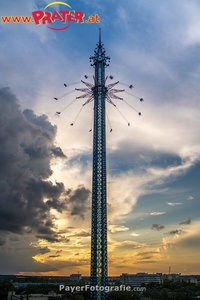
x: 99, y: 36
x: 99, y: 54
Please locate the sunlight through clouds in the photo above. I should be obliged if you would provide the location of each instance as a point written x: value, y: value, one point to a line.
x: 153, y: 165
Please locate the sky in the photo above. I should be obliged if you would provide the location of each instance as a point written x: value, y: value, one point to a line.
x: 153, y: 165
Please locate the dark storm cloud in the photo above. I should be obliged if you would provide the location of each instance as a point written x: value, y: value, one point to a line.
x: 14, y: 238
x: 57, y: 152
x: 40, y: 152
x: 2, y: 240
x: 22, y: 261
x: 56, y: 204
x: 78, y: 201
x: 41, y: 121
x: 44, y: 250
x: 27, y: 146
x: 187, y: 222
x: 157, y: 227
x: 50, y: 238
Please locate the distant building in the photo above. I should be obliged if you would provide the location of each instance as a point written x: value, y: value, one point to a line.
x: 140, y: 278
x: 179, y: 277
x: 189, y: 279
x: 113, y: 278
x: 75, y: 277
x: 173, y: 277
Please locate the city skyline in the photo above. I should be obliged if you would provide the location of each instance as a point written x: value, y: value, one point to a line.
x: 153, y: 164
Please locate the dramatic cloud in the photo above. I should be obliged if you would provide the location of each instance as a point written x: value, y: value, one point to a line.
x: 157, y: 227
x: 187, y: 222
x: 27, y: 197
x: 2, y: 240
x: 152, y: 165
x: 78, y: 202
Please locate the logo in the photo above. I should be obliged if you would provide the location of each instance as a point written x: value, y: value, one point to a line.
x: 53, y: 18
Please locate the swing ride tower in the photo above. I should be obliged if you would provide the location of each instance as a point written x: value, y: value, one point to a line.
x: 99, y: 265
x: 100, y: 93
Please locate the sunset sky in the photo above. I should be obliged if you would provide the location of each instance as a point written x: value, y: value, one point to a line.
x: 153, y: 165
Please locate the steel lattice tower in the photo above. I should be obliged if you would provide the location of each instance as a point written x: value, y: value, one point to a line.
x: 98, y: 276
x: 99, y: 92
